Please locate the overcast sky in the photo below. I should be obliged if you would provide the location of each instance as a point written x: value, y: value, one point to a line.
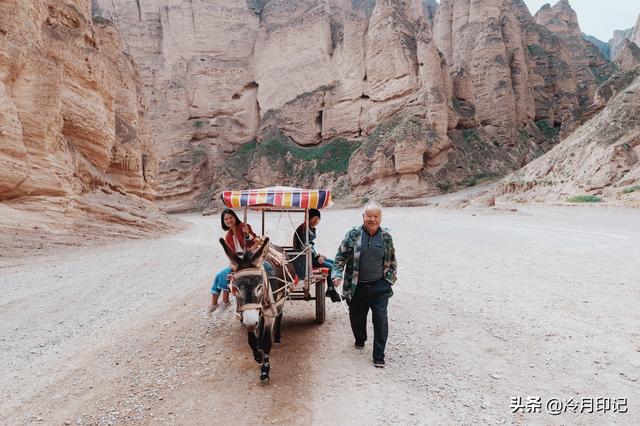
x: 599, y: 18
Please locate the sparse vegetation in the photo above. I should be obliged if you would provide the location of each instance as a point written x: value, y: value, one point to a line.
x: 198, y: 124
x: 471, y: 135
x: 598, y: 75
x: 298, y: 163
x: 631, y: 189
x: 523, y: 136
x: 550, y: 132
x: 537, y: 50
x: 585, y: 199
x: 478, y: 178
x: 445, y: 186
x: 396, y: 129
x: 197, y: 155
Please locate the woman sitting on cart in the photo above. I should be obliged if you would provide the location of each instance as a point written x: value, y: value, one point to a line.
x: 318, y: 260
x: 239, y: 236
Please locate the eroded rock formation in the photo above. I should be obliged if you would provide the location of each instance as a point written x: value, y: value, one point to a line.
x: 196, y: 62
x: 72, y: 119
x: 590, y: 68
x: 471, y: 78
x: 600, y: 159
x: 629, y: 56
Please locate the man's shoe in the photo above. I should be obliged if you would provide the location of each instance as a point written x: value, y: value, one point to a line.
x: 379, y: 363
x: 359, y: 345
x: 332, y: 294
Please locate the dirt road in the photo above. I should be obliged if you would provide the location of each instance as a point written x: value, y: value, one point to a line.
x: 543, y: 302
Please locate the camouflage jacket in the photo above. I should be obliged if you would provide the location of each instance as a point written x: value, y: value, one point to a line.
x: 349, y: 254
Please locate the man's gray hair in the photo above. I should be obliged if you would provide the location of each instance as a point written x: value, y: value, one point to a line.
x: 372, y: 205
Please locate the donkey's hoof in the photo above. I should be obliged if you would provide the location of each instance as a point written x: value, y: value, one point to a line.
x: 264, y: 379
x: 258, y: 357
x: 277, y: 344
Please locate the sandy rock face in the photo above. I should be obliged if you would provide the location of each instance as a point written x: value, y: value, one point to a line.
x: 509, y: 69
x: 590, y: 68
x: 628, y: 56
x: 619, y: 36
x: 223, y: 77
x: 222, y: 73
x: 482, y: 43
x: 72, y: 115
x: 72, y: 119
x: 601, y: 158
x: 196, y: 62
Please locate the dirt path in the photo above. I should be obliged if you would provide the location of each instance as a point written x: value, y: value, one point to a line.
x: 543, y: 302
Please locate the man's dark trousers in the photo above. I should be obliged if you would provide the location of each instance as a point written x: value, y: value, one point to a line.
x: 375, y: 296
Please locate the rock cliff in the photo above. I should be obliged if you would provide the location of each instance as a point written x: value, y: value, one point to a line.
x: 72, y: 119
x: 590, y: 68
x: 477, y: 88
x: 600, y: 160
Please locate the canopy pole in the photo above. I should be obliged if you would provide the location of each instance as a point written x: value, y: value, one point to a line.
x: 309, y: 259
x: 245, y: 236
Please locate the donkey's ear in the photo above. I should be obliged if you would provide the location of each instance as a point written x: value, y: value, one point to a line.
x: 233, y: 257
x: 258, y: 257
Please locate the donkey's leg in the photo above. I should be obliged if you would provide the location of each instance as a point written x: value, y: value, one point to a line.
x: 276, y: 333
x: 265, y: 343
x: 253, y: 342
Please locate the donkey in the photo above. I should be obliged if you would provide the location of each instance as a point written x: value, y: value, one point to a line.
x: 259, y: 300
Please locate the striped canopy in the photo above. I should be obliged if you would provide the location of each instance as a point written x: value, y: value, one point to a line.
x: 278, y: 196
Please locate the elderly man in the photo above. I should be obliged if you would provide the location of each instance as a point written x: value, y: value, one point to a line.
x: 368, y: 259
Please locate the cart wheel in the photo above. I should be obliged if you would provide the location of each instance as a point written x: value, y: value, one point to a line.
x: 320, y: 300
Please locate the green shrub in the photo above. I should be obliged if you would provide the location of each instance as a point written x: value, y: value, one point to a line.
x: 197, y: 155
x: 477, y: 178
x: 537, y: 50
x: 631, y: 189
x: 470, y: 181
x: 523, y: 136
x: 549, y: 131
x: 198, y: 124
x: 445, y: 186
x: 331, y: 157
x: 585, y: 199
x: 471, y: 135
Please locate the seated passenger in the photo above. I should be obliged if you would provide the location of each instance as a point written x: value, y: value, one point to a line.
x: 318, y: 260
x: 239, y: 236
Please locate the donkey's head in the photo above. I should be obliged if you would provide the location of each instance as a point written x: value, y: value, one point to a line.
x: 249, y: 282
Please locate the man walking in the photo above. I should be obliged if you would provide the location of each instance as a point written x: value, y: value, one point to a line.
x: 368, y: 259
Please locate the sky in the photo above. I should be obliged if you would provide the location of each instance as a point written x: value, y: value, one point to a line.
x: 599, y: 18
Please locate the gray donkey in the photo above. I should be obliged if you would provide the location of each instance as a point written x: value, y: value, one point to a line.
x: 259, y: 299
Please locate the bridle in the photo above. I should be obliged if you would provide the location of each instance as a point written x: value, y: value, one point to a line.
x: 267, y: 306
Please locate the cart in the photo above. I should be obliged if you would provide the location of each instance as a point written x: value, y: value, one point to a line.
x: 311, y: 283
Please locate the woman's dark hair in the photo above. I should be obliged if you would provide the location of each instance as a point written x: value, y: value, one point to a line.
x: 225, y: 212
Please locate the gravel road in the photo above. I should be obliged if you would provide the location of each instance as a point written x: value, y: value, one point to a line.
x: 543, y: 302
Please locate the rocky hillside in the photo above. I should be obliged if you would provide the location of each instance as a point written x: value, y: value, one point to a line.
x: 73, y: 129
x: 619, y: 37
x: 599, y: 161
x: 375, y: 98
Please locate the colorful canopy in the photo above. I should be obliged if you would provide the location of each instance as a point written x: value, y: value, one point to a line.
x: 278, y: 196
